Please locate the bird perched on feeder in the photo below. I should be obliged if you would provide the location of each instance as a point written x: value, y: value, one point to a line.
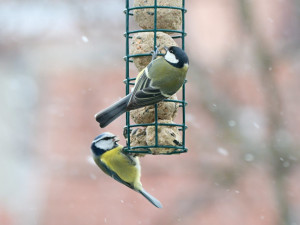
x: 159, y: 80
x: 126, y: 169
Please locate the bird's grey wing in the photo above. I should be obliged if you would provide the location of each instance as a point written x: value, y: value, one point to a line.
x: 143, y: 93
x: 142, y: 81
x: 114, y: 175
x: 144, y: 97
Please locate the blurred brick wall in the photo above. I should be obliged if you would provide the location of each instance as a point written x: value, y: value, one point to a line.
x: 242, y: 164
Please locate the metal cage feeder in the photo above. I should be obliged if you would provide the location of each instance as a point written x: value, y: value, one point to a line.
x: 129, y: 81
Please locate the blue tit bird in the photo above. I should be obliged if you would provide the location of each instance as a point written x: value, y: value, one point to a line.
x: 159, y: 80
x: 126, y: 169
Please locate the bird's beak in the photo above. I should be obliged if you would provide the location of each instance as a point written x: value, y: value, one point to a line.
x: 116, y: 139
x: 166, y: 48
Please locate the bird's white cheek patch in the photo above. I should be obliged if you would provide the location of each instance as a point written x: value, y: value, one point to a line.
x: 105, y: 144
x: 171, y: 58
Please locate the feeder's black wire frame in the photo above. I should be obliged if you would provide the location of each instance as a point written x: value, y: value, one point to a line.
x: 179, y: 34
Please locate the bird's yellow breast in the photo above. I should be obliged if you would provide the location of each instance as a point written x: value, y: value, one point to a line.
x: 126, y: 169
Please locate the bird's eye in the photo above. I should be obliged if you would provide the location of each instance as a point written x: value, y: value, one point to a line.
x: 171, y: 51
x: 106, y: 138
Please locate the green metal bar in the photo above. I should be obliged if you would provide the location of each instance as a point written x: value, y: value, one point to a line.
x: 127, y: 71
x: 183, y: 86
x: 162, y: 30
x: 153, y: 30
x: 153, y: 146
x: 150, y: 152
x: 154, y: 47
x: 138, y: 55
x: 158, y: 124
x: 156, y: 6
x: 183, y: 25
x: 155, y: 24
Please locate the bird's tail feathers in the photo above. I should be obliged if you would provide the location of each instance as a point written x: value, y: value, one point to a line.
x: 111, y: 113
x: 150, y: 198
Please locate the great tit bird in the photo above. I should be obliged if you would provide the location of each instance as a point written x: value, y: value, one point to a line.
x: 126, y: 169
x: 159, y: 80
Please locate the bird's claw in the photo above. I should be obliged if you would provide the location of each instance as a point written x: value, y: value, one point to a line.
x: 155, y: 52
x: 125, y: 132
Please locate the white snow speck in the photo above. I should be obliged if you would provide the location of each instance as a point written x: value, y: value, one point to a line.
x: 237, y: 191
x: 293, y: 158
x: 212, y: 107
x: 286, y: 164
x: 256, y: 125
x: 270, y: 20
x: 93, y: 176
x: 249, y: 157
x: 122, y: 201
x: 90, y: 160
x: 222, y: 151
x: 231, y: 123
x: 84, y: 39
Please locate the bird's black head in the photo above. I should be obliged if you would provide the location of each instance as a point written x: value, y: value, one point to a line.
x: 104, y: 142
x: 176, y: 57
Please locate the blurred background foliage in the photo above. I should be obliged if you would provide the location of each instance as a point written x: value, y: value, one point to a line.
x: 61, y: 61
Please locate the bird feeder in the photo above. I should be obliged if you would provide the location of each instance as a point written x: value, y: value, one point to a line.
x: 151, y: 129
